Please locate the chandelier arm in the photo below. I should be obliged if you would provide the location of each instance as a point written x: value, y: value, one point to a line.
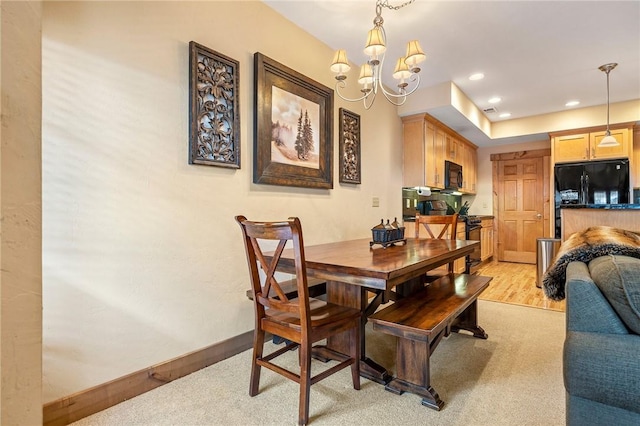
x: 414, y: 78
x: 342, y: 84
x: 372, y: 98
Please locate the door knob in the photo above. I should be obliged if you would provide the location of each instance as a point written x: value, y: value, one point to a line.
x: 539, y: 216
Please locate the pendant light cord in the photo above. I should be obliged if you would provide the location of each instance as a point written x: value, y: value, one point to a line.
x: 608, y: 132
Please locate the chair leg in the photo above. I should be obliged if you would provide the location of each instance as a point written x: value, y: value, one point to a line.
x: 258, y: 348
x: 305, y: 382
x: 355, y: 353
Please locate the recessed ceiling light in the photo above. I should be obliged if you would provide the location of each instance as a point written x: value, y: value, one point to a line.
x: 495, y: 100
x: 476, y: 76
x: 505, y: 115
x: 572, y: 103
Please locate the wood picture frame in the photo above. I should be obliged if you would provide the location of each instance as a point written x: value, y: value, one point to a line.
x: 350, y: 161
x: 293, y: 127
x: 214, y: 113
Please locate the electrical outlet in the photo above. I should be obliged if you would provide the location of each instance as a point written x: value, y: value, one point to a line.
x: 375, y: 202
x: 484, y: 205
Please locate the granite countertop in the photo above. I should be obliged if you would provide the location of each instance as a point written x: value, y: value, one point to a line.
x: 602, y: 206
x: 478, y: 216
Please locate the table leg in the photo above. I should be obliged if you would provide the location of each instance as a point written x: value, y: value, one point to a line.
x: 354, y: 297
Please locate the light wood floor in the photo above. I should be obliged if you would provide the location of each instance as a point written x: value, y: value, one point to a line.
x: 515, y: 283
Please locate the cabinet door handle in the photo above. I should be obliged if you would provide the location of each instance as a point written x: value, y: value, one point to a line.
x: 593, y: 152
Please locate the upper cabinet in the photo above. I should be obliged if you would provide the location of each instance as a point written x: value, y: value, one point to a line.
x: 427, y: 143
x: 422, y: 152
x: 583, y: 145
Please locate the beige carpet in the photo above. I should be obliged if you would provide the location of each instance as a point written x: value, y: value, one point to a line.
x: 513, y: 378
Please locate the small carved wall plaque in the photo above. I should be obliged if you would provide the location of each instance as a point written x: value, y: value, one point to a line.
x: 214, y: 115
x: 349, y: 147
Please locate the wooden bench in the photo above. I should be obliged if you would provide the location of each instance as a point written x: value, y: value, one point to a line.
x: 421, y: 320
x: 317, y: 287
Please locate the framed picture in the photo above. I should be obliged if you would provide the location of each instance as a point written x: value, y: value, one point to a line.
x: 293, y: 127
x: 349, y: 147
x: 214, y: 114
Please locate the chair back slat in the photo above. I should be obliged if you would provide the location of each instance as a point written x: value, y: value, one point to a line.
x: 449, y: 222
x: 267, y: 291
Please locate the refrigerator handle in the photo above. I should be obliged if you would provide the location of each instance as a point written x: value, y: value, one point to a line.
x: 585, y: 188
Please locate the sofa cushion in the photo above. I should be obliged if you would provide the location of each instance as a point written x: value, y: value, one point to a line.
x: 618, y: 277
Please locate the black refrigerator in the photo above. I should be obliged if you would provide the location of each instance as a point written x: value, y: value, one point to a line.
x: 593, y: 182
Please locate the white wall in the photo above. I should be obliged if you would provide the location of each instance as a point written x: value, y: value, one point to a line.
x: 142, y: 260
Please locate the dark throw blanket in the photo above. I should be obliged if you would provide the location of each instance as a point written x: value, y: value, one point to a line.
x: 585, y: 246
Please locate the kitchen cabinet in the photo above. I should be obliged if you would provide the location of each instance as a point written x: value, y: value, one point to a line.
x: 469, y: 161
x: 423, y: 150
x: 486, y: 239
x: 453, y: 149
x: 427, y: 143
x: 583, y: 146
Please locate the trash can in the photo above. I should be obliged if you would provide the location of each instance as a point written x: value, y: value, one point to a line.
x: 547, y: 250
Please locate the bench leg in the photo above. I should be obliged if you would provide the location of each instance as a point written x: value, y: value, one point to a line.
x: 413, y: 373
x: 468, y: 320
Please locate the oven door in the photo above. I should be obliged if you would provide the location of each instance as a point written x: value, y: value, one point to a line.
x: 474, y: 259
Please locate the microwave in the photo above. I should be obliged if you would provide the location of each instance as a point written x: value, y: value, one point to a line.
x: 452, y: 176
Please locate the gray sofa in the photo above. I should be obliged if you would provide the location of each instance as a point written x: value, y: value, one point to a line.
x: 601, y: 361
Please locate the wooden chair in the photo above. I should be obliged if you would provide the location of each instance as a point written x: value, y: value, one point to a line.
x: 303, y: 320
x: 448, y: 223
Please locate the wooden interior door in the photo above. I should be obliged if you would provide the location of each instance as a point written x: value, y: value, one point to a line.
x: 520, y: 208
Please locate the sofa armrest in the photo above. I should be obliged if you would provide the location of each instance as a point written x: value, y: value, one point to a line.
x: 603, y: 368
x: 587, y: 308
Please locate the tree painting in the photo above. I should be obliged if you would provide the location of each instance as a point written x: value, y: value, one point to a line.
x: 298, y: 147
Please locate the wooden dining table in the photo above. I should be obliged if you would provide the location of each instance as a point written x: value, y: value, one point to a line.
x: 353, y: 270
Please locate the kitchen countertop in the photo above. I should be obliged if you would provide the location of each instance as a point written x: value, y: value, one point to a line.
x: 478, y: 216
x: 602, y: 206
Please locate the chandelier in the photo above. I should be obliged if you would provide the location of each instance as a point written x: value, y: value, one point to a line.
x: 608, y: 140
x: 406, y: 70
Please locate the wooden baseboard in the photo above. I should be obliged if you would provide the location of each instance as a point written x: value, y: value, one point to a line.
x: 90, y: 401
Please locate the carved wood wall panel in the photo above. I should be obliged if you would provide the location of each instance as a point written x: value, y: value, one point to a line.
x: 214, y: 115
x: 350, y: 163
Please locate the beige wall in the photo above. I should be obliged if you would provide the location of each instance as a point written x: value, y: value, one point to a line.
x: 142, y: 260
x: 20, y: 213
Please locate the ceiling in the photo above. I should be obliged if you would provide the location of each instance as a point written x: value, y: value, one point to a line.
x: 536, y: 55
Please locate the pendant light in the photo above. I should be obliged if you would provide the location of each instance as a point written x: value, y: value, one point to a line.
x: 608, y: 140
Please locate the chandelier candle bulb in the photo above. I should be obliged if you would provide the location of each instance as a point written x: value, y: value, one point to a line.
x: 401, y: 72
x: 366, y: 75
x: 375, y: 45
x: 415, y: 55
x: 340, y: 64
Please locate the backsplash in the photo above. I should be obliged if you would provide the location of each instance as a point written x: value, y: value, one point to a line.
x: 413, y: 203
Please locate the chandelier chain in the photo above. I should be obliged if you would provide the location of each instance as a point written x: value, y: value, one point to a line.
x: 385, y: 3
